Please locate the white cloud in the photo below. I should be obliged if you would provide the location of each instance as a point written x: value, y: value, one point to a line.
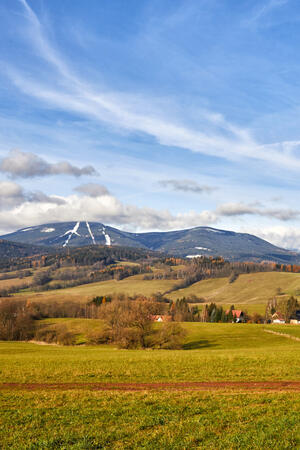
x: 13, y: 195
x: 92, y: 189
x: 286, y: 237
x: 103, y: 208
x: 28, y: 165
x: 96, y: 203
x: 240, y: 209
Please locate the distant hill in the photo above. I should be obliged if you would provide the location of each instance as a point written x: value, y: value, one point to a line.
x: 185, y: 243
x: 18, y: 250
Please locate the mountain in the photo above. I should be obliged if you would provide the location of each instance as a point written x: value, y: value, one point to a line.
x: 184, y: 243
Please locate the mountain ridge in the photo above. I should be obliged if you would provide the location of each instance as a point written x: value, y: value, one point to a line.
x: 187, y: 243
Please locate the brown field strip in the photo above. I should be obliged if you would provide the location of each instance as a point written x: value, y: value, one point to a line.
x: 293, y: 386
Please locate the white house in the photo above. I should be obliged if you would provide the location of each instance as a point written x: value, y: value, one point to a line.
x: 277, y: 317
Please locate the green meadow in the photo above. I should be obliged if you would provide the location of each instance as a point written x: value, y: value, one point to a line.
x: 181, y: 420
x: 134, y: 285
x: 254, y: 288
x: 83, y: 419
x: 211, y: 352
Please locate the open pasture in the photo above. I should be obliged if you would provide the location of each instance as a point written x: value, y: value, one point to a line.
x: 213, y: 419
x: 134, y: 285
x: 212, y: 352
x: 6, y: 284
x: 254, y: 288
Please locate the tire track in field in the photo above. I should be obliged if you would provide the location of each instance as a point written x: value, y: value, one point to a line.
x: 278, y: 386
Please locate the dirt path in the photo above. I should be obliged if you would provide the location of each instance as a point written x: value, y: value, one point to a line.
x: 278, y: 386
x: 278, y: 333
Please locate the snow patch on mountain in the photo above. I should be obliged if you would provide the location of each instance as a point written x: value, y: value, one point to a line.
x: 47, y: 230
x: 106, y: 236
x: 203, y: 248
x: 70, y: 233
x: 214, y: 231
x: 90, y: 232
x: 194, y: 256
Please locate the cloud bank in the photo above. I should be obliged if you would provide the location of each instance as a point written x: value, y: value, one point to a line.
x: 242, y: 209
x: 94, y: 202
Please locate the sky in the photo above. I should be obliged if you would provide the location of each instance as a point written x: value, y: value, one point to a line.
x: 151, y: 115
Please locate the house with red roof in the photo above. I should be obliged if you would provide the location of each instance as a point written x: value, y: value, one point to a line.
x: 278, y: 317
x: 237, y: 314
x: 161, y: 318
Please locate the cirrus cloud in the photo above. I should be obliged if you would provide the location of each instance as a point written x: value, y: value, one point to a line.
x: 186, y: 186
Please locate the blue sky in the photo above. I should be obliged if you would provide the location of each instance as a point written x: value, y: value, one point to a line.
x: 151, y: 115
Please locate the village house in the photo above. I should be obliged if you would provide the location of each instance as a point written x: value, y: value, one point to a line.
x: 277, y: 317
x: 161, y: 318
x: 237, y: 314
x: 295, y: 318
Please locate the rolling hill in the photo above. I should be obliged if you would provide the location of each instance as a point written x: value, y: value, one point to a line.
x: 19, y: 250
x: 185, y: 243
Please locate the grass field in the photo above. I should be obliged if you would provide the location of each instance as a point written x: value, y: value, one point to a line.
x: 130, y: 286
x: 220, y: 335
x: 292, y: 330
x: 80, y: 327
x: 255, y: 288
x: 248, y: 289
x: 213, y: 352
x: 249, y: 292
x: 83, y: 419
x: 4, y: 284
x: 94, y: 420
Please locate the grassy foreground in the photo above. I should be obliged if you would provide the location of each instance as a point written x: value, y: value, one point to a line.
x: 83, y: 419
x: 89, y: 420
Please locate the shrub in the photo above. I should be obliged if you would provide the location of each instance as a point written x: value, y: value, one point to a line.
x: 58, y: 335
x: 41, y: 278
x: 128, y: 322
x: 233, y: 277
x: 65, y: 337
x: 45, y: 334
x: 170, y: 336
x: 97, y: 337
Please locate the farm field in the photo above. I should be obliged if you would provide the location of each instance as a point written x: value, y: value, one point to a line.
x: 249, y: 292
x: 290, y: 329
x: 254, y: 288
x: 220, y: 335
x: 131, y: 286
x: 212, y: 352
x: 4, y: 284
x: 88, y: 418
